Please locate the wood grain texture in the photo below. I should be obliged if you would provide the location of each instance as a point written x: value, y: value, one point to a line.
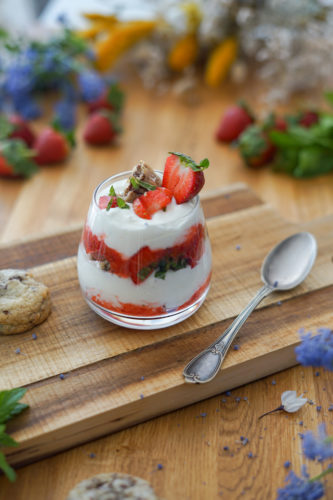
x: 111, y: 361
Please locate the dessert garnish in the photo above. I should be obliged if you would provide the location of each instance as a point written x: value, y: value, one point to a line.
x: 151, y: 202
x: 143, y: 179
x: 183, y: 176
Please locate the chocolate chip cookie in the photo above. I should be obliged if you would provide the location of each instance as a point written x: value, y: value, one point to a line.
x: 113, y: 486
x: 24, y: 302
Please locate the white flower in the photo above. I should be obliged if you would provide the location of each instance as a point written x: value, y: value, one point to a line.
x: 291, y: 402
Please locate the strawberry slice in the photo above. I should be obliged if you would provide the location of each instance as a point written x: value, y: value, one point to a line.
x: 104, y: 201
x: 183, y: 176
x: 151, y: 202
x: 143, y: 263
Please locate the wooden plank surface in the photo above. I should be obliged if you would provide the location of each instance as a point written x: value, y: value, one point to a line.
x: 187, y: 444
x: 111, y: 360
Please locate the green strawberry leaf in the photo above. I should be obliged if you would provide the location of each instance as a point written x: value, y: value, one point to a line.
x: 5, y: 439
x: 189, y: 162
x: 6, y: 128
x: 114, y: 120
x: 19, y: 157
x: 252, y: 142
x: 116, y: 97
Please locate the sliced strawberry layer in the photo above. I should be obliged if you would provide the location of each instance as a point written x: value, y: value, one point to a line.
x: 142, y: 264
x: 148, y: 309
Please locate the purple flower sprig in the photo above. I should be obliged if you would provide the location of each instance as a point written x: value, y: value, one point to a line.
x: 301, y: 488
x: 318, y: 447
x: 316, y: 350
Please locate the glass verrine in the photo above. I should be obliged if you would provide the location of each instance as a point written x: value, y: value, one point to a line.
x: 141, y: 273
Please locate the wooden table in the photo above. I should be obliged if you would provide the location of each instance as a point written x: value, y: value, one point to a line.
x: 189, y: 443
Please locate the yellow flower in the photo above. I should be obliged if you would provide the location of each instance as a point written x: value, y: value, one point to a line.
x: 119, y: 39
x: 220, y: 61
x: 184, y: 53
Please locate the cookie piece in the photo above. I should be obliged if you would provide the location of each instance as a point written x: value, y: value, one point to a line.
x: 141, y: 172
x: 24, y: 302
x: 113, y: 486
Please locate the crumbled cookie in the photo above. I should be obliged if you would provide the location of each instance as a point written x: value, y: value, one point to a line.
x: 113, y: 486
x: 24, y: 302
x: 141, y: 172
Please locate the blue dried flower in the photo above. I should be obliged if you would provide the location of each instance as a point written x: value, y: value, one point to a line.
x: 19, y: 79
x: 320, y: 447
x: 299, y: 488
x: 65, y: 114
x: 91, y: 85
x: 27, y: 107
x: 317, y: 350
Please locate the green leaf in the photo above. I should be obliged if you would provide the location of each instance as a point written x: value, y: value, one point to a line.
x: 329, y: 97
x: 252, y: 142
x: 6, y: 128
x: 19, y: 157
x: 121, y: 203
x: 112, y: 191
x: 313, y: 161
x: 134, y: 183
x: 189, y: 162
x: 5, y: 439
x: 6, y: 468
x: 116, y: 97
x: 9, y: 405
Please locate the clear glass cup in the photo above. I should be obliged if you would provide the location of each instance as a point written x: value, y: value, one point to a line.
x: 139, y: 273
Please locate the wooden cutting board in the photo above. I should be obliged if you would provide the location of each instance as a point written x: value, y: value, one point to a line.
x: 116, y: 377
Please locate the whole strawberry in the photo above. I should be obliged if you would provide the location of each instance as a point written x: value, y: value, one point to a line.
x: 111, y: 99
x: 308, y: 118
x: 16, y: 160
x: 21, y: 130
x: 183, y: 176
x: 101, y: 128
x: 51, y: 146
x: 234, y: 121
x: 255, y: 147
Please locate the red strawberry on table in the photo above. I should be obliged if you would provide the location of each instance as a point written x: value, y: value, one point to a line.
x: 308, y: 118
x: 183, y: 176
x: 234, y: 121
x: 21, y: 130
x: 151, y: 202
x: 255, y: 147
x: 51, y: 146
x: 111, y: 98
x: 16, y: 159
x: 101, y: 128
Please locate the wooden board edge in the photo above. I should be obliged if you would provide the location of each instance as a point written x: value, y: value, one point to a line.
x: 140, y: 411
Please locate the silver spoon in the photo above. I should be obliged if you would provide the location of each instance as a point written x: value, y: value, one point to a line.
x: 285, y: 267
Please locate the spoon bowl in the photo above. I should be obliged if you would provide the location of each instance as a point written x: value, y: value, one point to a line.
x: 289, y: 262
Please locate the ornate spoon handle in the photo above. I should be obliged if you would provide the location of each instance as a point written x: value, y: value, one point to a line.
x: 205, y: 365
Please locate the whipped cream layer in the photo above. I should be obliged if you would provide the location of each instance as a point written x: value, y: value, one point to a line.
x: 125, y: 232
x: 173, y: 291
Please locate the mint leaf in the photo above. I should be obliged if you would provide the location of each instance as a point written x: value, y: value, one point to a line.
x: 9, y: 405
x: 329, y: 97
x: 134, y: 183
x: 189, y: 162
x: 5, y: 439
x: 112, y: 191
x: 6, y: 468
x: 121, y: 203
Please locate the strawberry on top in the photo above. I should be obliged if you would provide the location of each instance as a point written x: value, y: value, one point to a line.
x: 183, y: 176
x: 182, y: 180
